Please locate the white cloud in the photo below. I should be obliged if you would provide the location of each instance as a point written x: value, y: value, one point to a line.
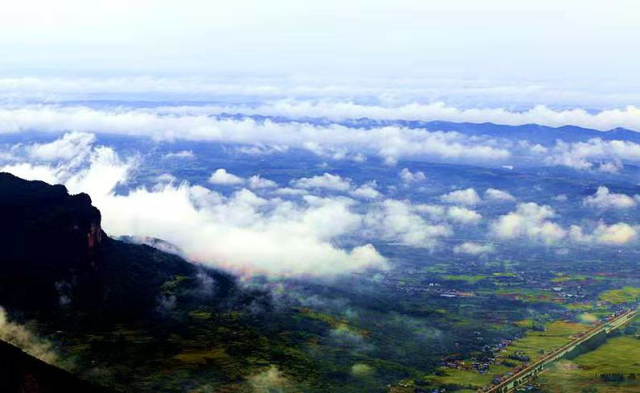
x: 530, y: 221
x: 561, y: 198
x: 333, y: 182
x: 26, y: 340
x: 408, y: 177
x: 534, y: 222
x: 603, y: 199
x: 434, y: 212
x: 334, y: 141
x: 106, y: 171
x: 584, y: 155
x: 243, y: 232
x: 391, y: 143
x: 262, y: 150
x: 71, y: 145
x: 398, y: 221
x: 407, y: 94
x: 627, y: 117
x: 492, y: 194
x: 463, y: 215
x: 257, y: 182
x: 471, y: 248
x: 367, y: 191
x: 166, y: 178
x: 616, y: 234
x: 327, y: 181
x: 610, y: 167
x: 291, y: 191
x: 222, y: 177
x: 467, y: 197
x: 180, y: 154
x: 29, y: 171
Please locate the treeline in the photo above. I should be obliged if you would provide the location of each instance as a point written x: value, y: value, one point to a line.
x: 618, y: 377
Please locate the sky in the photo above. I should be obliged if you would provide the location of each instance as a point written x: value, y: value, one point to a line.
x: 591, y: 42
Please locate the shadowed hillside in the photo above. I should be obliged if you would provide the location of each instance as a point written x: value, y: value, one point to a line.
x: 20, y: 372
x: 120, y: 314
x: 55, y: 255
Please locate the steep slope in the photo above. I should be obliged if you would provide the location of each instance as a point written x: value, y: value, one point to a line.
x: 55, y: 255
x: 81, y: 289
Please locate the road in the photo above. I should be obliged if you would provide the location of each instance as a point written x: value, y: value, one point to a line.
x: 509, y: 384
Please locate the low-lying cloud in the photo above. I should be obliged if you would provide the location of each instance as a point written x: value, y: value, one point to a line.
x: 334, y: 141
x: 530, y: 221
x: 627, y: 117
x: 23, y: 338
x: 537, y: 223
x: 242, y: 232
x: 467, y: 197
x: 474, y: 249
x: 401, y: 222
x: 321, y: 225
x: 391, y: 143
x: 604, y: 199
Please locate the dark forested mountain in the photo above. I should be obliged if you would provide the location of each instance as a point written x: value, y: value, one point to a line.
x: 55, y: 254
x: 85, y: 291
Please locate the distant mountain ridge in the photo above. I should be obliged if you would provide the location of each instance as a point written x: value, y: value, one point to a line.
x: 532, y: 132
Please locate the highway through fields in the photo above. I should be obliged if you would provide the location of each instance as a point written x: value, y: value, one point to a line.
x: 509, y: 384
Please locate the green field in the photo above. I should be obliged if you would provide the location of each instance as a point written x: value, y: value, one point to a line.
x: 464, y: 277
x: 617, y: 355
x: 619, y: 296
x: 463, y: 378
x: 534, y: 344
x: 567, y: 278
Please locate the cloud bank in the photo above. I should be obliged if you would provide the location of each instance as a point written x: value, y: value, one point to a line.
x: 319, y: 226
x: 628, y: 117
x: 334, y: 141
x: 243, y: 232
x: 329, y: 140
x: 536, y: 223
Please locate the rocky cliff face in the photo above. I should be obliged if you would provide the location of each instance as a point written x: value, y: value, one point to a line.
x: 43, y: 220
x: 46, y: 237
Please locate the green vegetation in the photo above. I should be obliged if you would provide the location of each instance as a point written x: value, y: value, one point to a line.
x: 526, y: 295
x: 620, y: 296
x: 504, y: 274
x: 567, y: 278
x: 536, y: 343
x: 470, y: 379
x: 463, y: 277
x: 617, y: 356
